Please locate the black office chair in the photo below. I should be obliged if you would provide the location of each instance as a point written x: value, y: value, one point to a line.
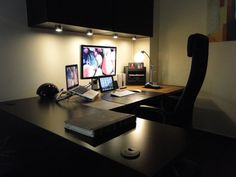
x: 177, y: 110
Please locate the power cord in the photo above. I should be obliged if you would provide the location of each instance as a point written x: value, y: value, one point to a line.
x: 62, y: 95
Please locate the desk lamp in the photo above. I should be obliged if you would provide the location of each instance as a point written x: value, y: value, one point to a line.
x: 150, y: 84
x: 151, y: 67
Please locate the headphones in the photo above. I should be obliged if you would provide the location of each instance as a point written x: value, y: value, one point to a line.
x: 47, y: 90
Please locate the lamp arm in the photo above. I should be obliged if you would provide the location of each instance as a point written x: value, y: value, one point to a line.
x: 148, y: 57
x: 151, y: 66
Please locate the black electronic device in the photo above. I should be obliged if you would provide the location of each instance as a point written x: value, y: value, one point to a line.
x: 47, y: 90
x: 135, y: 74
x: 151, y: 85
x: 106, y: 83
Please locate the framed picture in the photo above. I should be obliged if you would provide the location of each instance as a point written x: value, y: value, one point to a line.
x: 221, y: 20
x: 235, y: 9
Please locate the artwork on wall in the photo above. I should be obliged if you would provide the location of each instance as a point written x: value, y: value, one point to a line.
x: 221, y: 20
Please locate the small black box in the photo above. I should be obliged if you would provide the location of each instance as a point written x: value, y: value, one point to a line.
x: 135, y: 74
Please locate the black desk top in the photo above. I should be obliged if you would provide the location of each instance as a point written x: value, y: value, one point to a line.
x: 158, y: 143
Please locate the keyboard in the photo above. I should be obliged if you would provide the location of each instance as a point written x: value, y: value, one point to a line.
x: 81, y: 89
x: 120, y: 93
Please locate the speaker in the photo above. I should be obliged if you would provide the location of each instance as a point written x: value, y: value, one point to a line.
x: 95, y: 84
x: 115, y: 83
x: 121, y: 80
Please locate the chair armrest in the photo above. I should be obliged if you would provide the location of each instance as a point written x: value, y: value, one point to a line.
x: 151, y: 108
x: 169, y: 102
x: 150, y: 113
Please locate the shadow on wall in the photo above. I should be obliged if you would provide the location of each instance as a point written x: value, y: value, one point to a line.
x: 209, y: 117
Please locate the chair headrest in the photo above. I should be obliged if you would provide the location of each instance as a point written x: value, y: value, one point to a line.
x: 197, y: 43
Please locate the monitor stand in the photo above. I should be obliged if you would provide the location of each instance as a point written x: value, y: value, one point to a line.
x: 94, y: 84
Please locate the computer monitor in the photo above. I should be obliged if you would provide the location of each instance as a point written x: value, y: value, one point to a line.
x: 106, y: 83
x: 97, y: 61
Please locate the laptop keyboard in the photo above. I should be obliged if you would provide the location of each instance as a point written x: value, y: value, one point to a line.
x: 81, y: 89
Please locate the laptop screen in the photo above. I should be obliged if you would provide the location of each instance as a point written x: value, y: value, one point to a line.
x: 72, y: 79
x: 106, y: 83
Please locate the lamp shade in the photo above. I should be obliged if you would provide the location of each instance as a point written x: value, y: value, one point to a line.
x: 139, y: 57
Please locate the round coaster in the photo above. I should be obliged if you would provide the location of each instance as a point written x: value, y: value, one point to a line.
x: 130, y: 153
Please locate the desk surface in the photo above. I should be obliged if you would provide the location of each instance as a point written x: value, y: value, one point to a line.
x: 146, y: 94
x: 158, y: 143
x: 166, y: 89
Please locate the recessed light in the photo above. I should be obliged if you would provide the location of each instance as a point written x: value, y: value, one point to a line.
x: 58, y: 28
x: 115, y: 36
x: 134, y: 38
x: 89, y: 33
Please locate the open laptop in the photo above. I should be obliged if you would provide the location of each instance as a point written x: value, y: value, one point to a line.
x: 72, y: 83
x: 106, y: 84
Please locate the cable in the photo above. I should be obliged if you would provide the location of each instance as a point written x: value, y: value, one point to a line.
x: 62, y: 95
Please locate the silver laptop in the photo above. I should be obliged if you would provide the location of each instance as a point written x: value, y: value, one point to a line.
x: 72, y: 83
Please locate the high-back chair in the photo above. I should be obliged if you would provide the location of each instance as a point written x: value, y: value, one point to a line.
x: 181, y: 115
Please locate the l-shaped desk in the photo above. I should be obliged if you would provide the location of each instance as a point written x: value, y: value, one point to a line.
x: 50, y: 150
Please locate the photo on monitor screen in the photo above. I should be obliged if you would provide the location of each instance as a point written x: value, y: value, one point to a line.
x: 97, y: 61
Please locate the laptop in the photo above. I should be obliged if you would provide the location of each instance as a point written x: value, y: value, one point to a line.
x: 106, y: 84
x: 72, y: 83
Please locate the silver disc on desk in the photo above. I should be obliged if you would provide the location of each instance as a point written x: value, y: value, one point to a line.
x: 130, y: 153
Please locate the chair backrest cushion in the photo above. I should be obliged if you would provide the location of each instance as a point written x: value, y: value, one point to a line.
x: 197, y: 48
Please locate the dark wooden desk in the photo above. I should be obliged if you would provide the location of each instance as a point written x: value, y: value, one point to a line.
x: 43, y: 124
x: 165, y: 89
x: 129, y: 104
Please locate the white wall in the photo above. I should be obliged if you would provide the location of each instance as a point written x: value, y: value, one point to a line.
x: 176, y: 22
x: 30, y: 57
x: 215, y: 108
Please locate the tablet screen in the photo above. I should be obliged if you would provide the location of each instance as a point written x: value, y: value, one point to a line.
x: 106, y: 83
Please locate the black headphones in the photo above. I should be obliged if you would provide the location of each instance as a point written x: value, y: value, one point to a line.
x: 47, y: 90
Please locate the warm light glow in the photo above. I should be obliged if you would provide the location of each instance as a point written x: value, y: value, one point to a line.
x: 134, y: 38
x: 58, y: 28
x: 115, y: 36
x: 145, y: 53
x: 139, y: 57
x: 89, y: 33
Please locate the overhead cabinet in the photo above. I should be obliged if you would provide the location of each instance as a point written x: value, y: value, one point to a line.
x: 111, y: 15
x: 134, y: 16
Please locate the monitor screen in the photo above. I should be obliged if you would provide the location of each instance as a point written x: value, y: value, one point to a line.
x: 106, y: 83
x: 72, y: 79
x: 97, y: 61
